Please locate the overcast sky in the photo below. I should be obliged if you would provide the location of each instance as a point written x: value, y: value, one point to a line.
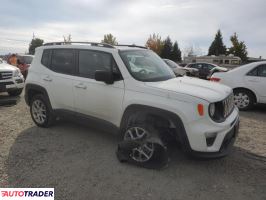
x: 190, y: 22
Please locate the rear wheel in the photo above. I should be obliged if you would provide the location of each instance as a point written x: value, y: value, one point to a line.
x: 244, y: 99
x: 41, y: 112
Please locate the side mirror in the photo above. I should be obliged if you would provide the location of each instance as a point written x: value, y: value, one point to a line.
x: 104, y: 76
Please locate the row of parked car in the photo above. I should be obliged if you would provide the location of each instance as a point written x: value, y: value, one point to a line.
x: 201, y: 70
x: 248, y: 81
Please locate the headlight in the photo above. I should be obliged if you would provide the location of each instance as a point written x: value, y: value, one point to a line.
x: 212, y: 109
x: 17, y: 73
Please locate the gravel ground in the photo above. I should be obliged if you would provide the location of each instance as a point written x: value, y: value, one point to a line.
x: 79, y: 162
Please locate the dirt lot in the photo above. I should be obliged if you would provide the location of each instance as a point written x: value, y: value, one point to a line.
x: 79, y: 162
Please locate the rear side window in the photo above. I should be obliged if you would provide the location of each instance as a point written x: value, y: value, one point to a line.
x: 253, y: 72
x: 46, y: 57
x: 262, y: 71
x: 90, y: 61
x: 63, y: 61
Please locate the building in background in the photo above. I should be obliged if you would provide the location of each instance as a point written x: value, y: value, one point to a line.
x: 252, y: 59
x: 229, y: 61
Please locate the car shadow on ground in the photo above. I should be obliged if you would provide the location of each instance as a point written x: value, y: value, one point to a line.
x: 6, y: 100
x: 80, y: 163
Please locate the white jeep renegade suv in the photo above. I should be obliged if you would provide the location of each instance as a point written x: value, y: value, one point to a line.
x: 132, y: 89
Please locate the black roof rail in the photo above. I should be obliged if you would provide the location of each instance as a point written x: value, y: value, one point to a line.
x: 130, y: 45
x: 91, y: 43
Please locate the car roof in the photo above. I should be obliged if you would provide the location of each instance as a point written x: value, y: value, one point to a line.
x: 247, y: 67
x: 91, y: 45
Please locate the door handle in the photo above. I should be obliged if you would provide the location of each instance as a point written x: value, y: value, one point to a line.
x: 47, y: 78
x: 81, y: 86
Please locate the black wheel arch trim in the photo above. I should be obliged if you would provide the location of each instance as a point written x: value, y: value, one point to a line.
x: 36, y: 89
x: 181, y: 132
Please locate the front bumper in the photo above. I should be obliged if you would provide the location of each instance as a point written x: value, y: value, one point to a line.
x: 206, y: 138
x: 226, y: 146
x: 11, y: 84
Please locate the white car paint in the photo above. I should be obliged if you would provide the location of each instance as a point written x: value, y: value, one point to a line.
x: 16, y: 75
x: 239, y: 78
x: 108, y: 102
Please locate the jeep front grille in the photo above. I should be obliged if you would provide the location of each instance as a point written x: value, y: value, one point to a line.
x: 6, y: 75
x: 228, y: 105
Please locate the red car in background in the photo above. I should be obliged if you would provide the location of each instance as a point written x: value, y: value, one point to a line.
x: 24, y: 62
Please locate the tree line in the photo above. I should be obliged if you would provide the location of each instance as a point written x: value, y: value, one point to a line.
x: 168, y: 49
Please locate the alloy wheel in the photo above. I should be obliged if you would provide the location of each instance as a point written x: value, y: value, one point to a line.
x: 39, y: 111
x: 144, y: 152
x: 242, y: 100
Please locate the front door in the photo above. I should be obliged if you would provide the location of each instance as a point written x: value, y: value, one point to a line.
x: 94, y: 98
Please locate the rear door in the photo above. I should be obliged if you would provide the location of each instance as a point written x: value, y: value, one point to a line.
x: 256, y: 80
x: 94, y: 98
x: 59, y: 79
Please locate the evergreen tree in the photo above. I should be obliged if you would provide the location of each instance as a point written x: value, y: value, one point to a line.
x: 109, y: 39
x: 167, y: 48
x: 238, y: 48
x: 35, y: 42
x: 217, y: 47
x: 155, y: 43
x: 176, y: 53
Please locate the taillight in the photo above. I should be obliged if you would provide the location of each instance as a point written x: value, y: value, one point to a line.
x: 215, y: 79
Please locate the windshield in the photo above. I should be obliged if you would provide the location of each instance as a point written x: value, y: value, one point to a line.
x: 146, y: 66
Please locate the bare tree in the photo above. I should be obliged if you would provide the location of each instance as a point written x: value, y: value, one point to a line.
x: 68, y: 38
x: 192, y: 50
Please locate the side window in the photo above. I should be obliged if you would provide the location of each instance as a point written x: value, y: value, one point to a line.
x: 253, y: 72
x: 46, y: 58
x: 63, y: 61
x: 210, y: 67
x: 90, y: 61
x: 205, y: 67
x: 262, y: 71
x: 198, y: 66
x: 193, y: 66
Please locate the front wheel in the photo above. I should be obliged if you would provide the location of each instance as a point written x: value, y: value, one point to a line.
x: 41, y: 112
x: 244, y: 99
x: 143, y: 153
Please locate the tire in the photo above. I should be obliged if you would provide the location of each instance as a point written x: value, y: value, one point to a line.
x: 15, y: 93
x: 244, y: 99
x: 41, y: 111
x: 138, y: 132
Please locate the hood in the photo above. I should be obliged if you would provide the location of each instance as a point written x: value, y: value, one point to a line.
x: 209, y: 91
x: 7, y: 67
